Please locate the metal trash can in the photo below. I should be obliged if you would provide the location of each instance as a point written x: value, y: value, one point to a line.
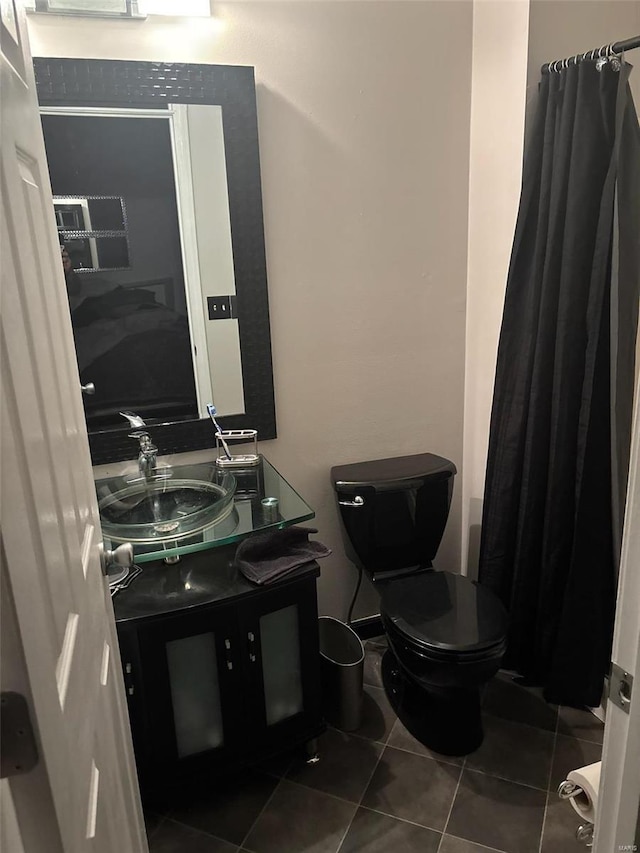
x: 342, y: 669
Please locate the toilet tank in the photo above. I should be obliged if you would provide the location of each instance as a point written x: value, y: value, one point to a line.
x: 394, y: 511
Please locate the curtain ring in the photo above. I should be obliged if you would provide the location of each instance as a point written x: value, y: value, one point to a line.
x: 575, y: 59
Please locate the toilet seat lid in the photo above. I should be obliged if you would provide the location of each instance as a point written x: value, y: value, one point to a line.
x: 445, y: 611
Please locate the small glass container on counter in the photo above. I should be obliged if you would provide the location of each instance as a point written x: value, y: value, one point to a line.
x: 270, y: 511
x: 228, y: 452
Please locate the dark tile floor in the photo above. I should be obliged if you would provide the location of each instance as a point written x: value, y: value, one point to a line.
x: 379, y: 790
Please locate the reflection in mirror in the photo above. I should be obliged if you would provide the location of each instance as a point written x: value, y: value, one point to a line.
x: 142, y: 211
x: 93, y: 231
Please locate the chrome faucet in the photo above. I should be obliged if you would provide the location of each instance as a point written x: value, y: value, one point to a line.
x: 147, y: 458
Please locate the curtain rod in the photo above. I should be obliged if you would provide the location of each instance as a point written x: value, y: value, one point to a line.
x: 606, y: 50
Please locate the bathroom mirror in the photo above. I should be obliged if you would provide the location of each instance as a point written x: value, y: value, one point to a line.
x: 156, y: 181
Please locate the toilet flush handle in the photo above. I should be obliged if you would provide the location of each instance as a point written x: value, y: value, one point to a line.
x: 357, y: 501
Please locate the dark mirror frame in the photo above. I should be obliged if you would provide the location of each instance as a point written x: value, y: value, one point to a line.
x: 115, y: 83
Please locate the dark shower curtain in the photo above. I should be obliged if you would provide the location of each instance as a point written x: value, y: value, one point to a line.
x: 561, y: 417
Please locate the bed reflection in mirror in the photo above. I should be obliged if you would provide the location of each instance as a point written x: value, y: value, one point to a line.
x: 141, y: 205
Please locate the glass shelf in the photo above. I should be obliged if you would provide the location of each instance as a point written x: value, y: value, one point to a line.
x: 248, y: 515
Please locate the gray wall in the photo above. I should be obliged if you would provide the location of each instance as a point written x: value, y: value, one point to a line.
x: 364, y: 114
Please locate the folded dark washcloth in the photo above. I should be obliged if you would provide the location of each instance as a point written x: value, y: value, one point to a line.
x: 267, y: 557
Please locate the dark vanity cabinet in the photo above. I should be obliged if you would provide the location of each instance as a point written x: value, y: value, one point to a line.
x: 218, y: 672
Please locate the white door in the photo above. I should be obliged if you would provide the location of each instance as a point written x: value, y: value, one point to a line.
x: 59, y: 642
x: 618, y: 820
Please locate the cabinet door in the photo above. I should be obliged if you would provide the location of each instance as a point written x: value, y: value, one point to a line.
x: 134, y: 690
x: 281, y: 635
x: 190, y: 674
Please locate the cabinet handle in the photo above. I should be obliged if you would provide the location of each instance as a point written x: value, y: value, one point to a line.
x: 227, y: 645
x: 128, y: 681
x: 252, y: 640
x: 358, y: 501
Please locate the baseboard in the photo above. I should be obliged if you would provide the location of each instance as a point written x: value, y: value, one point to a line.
x: 368, y: 627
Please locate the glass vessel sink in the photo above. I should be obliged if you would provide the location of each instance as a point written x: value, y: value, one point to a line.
x: 256, y: 498
x: 174, y: 503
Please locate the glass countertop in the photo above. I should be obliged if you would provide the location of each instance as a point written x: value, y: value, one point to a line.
x: 248, y: 513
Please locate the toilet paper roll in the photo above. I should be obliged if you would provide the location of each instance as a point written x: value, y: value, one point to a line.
x: 586, y: 802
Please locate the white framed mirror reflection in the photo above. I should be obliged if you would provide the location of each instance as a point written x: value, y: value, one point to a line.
x: 90, y: 148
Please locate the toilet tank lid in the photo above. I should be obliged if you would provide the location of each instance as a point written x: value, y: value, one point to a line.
x: 396, y: 472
